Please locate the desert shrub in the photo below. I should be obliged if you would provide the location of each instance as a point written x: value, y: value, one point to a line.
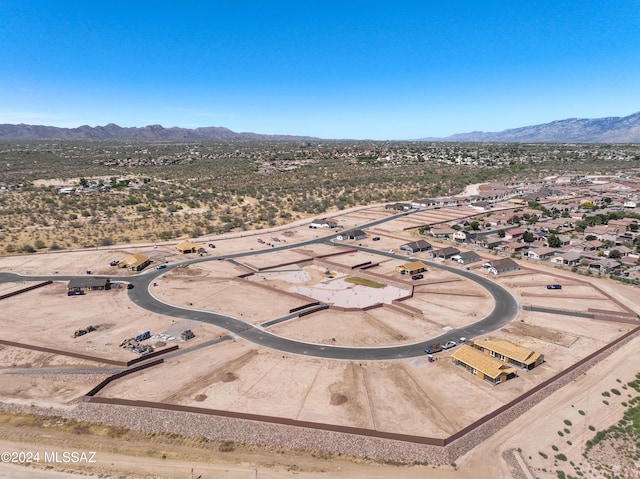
x: 227, y: 446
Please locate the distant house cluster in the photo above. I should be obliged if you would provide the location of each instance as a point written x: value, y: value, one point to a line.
x: 589, y: 223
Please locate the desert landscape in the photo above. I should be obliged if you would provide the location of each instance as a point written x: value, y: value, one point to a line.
x: 256, y: 283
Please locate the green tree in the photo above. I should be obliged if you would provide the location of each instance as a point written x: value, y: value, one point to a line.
x: 615, y: 254
x: 475, y: 225
x: 553, y: 241
x: 528, y: 237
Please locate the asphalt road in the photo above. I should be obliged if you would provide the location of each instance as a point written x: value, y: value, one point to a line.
x: 506, y: 308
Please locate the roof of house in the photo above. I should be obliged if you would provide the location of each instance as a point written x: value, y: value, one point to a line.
x: 185, y: 245
x: 470, y: 257
x: 478, y: 360
x: 515, y: 246
x: 508, y: 349
x: 420, y: 244
x: 442, y: 230
x: 606, y: 263
x: 414, y: 265
x: 449, y: 250
x: 88, y: 282
x: 571, y: 255
x: 136, y: 260
x: 504, y: 264
x: 543, y: 251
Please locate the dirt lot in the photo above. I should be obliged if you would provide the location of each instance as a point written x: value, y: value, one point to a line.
x: 408, y: 396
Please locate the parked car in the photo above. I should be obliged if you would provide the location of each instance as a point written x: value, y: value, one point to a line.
x: 554, y: 286
x: 211, y: 245
x: 161, y: 266
x: 115, y: 262
x: 376, y: 238
x: 417, y: 276
x: 449, y: 345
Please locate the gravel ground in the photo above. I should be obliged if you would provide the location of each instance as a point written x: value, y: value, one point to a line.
x: 253, y: 432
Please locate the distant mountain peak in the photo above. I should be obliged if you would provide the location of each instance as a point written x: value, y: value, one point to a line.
x: 111, y: 131
x: 572, y: 130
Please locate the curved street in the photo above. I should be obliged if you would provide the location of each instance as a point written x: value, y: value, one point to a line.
x: 505, y: 309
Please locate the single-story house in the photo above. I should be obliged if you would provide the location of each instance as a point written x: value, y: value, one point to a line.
x: 592, y: 245
x: 569, y: 258
x: 136, y: 262
x: 444, y: 253
x: 480, y: 205
x: 542, y: 253
x: 509, y: 353
x: 514, y: 234
x: 89, y: 284
x: 441, y: 231
x: 416, y: 246
x: 461, y: 236
x: 513, y: 247
x: 468, y: 257
x: 352, y: 235
x: 323, y: 223
x: 398, y: 206
x: 605, y: 265
x: 413, y: 267
x: 482, y: 365
x: 187, y: 247
x: 503, y: 266
x: 423, y: 203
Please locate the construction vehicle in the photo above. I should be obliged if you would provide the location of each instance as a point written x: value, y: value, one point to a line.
x: 187, y: 334
x: 143, y: 336
x: 82, y: 332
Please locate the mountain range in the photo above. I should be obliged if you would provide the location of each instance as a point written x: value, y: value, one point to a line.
x: 573, y: 130
x: 111, y: 131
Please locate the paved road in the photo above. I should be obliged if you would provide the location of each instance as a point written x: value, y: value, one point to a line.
x: 506, y: 308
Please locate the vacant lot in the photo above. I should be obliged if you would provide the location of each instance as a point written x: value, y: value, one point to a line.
x: 405, y: 396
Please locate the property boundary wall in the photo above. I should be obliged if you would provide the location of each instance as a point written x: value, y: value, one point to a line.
x: 302, y: 261
x: 320, y: 307
x: 304, y: 306
x: 61, y: 352
x: 256, y: 417
x: 477, y: 431
x: 275, y: 290
x: 394, y: 446
x: 87, y: 357
x: 119, y: 375
x: 400, y: 309
x: 24, y: 290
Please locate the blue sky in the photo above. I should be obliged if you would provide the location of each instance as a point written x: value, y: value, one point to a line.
x: 332, y: 69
